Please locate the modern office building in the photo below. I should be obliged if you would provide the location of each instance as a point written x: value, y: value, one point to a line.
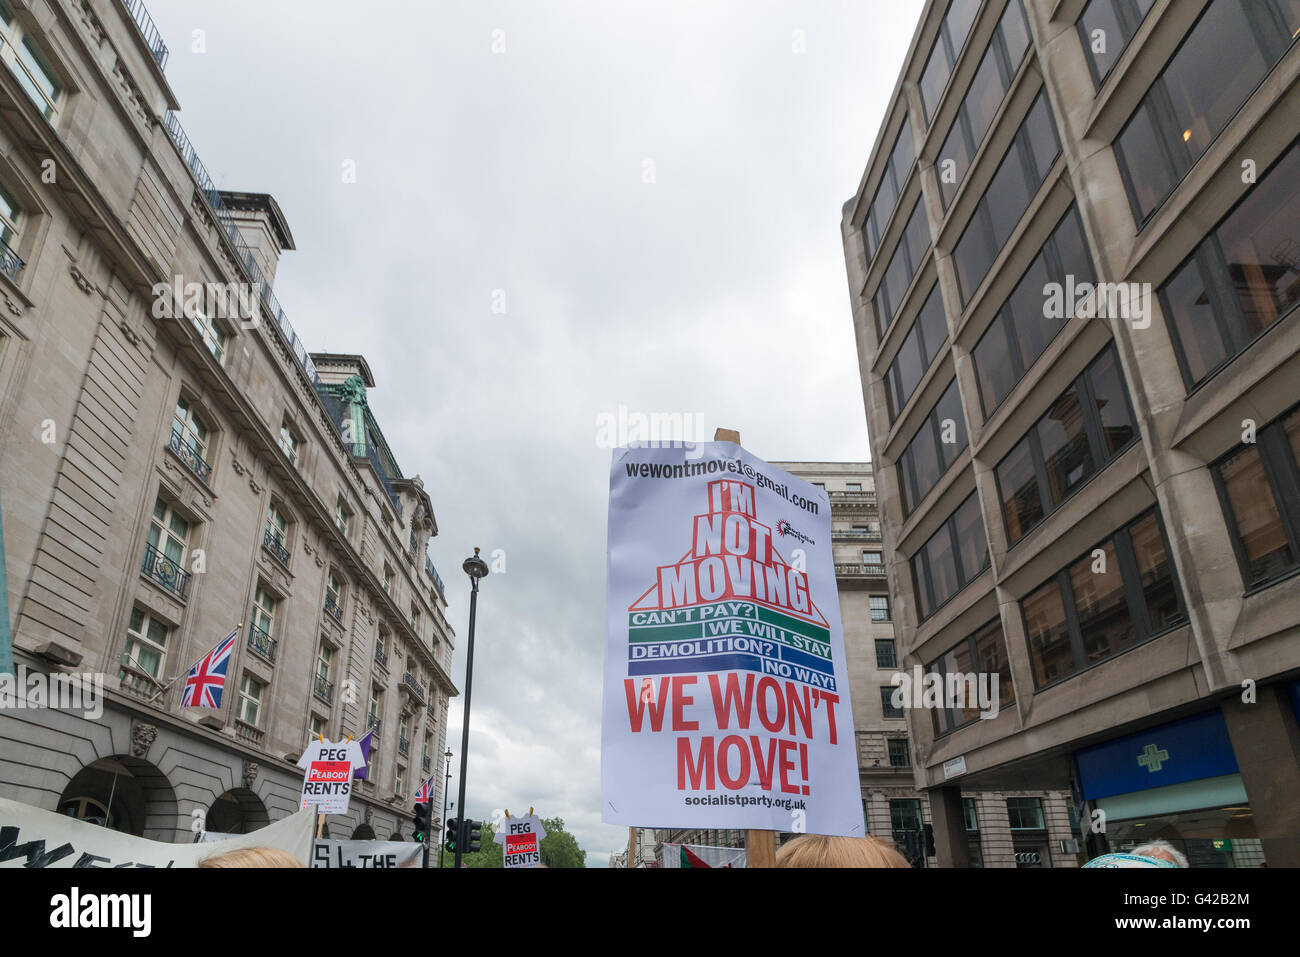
x: 176, y: 467
x: 1073, y: 260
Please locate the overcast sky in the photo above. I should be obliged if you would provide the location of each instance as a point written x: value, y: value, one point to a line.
x: 652, y: 191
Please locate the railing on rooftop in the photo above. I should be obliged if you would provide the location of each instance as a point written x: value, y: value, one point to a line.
x: 149, y: 30
x: 433, y: 573
x: 226, y: 219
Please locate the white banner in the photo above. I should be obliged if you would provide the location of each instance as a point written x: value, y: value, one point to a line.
x: 373, y: 854
x: 726, y: 690
x: 701, y: 856
x: 32, y: 837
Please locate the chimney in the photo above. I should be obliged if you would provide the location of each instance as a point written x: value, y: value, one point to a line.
x: 262, y: 226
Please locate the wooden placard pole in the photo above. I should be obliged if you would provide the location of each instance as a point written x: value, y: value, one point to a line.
x: 760, y: 846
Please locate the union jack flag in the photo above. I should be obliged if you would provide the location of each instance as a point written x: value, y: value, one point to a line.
x: 425, y: 793
x: 207, y: 679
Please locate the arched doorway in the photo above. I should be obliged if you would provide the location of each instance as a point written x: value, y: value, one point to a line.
x: 364, y: 832
x: 238, y: 811
x: 397, y: 836
x: 123, y: 793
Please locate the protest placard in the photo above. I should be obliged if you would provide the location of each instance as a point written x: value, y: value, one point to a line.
x: 521, y: 840
x: 726, y: 692
x: 327, y: 777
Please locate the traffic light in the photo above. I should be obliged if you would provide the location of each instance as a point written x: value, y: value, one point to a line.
x: 453, y: 834
x: 422, y: 820
x: 475, y: 831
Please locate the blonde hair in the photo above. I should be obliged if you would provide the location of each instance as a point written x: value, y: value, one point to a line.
x: 819, y: 850
x: 252, y: 857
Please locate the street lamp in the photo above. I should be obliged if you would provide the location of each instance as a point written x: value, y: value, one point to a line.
x: 445, y: 788
x: 475, y: 568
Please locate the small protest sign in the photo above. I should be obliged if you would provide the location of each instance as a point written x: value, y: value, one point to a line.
x: 327, y: 783
x: 521, y: 840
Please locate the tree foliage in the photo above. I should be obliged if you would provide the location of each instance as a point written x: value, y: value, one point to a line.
x: 559, y: 848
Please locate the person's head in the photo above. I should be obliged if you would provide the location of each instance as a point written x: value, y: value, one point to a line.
x: 252, y: 857
x: 1161, y: 851
x: 819, y: 850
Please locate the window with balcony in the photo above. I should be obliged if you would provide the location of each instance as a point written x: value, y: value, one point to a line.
x: 951, y: 559
x: 918, y: 351
x: 1119, y: 594
x: 214, y: 334
x: 276, y: 537
x: 261, y: 630
x: 334, y: 596
x: 1085, y: 429
x: 146, y: 647
x: 1030, y: 157
x: 1024, y: 327
x: 957, y: 21
x: 1259, y: 486
x: 381, y: 646
x: 403, y: 733
x: 1225, y: 56
x: 324, y: 684
x: 289, y: 442
x: 988, y: 88
x: 11, y: 218
x: 873, y: 558
x: 932, y: 451
x: 189, y: 438
x: 1106, y: 28
x: 879, y: 607
x: 30, y: 66
x: 166, y: 548
x: 376, y: 711
x: 250, y: 700
x: 1242, y: 279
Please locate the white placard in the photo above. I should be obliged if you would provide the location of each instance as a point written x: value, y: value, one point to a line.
x: 726, y: 690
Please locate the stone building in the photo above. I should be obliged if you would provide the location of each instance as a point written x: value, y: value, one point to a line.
x: 176, y: 466
x: 1073, y: 265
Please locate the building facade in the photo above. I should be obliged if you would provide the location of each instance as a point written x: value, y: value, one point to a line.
x: 1072, y: 260
x: 177, y: 467
x: 1007, y: 827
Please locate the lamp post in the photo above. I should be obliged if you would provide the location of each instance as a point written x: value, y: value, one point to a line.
x: 475, y: 568
x: 445, y: 787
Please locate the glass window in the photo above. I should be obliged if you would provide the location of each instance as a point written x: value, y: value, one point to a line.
x: 1015, y: 32
x: 941, y: 565
x: 991, y: 658
x: 1261, y: 247
x: 1025, y: 814
x: 264, y: 605
x: 922, y: 463
x: 250, y: 700
x: 168, y: 533
x: 1107, y: 27
x: 1104, y: 623
x: 955, y: 151
x: 935, y: 78
x: 898, y: 756
x: 1220, y: 63
x: 29, y: 65
x: 886, y: 657
x: 908, y: 367
x: 1111, y: 400
x: 933, y: 325
x: 951, y: 423
x: 916, y: 239
x: 972, y: 543
x: 880, y: 612
x: 1064, y: 441
x: 993, y: 367
x: 887, y: 703
x: 1186, y: 302
x: 191, y: 428
x: 1155, y: 570
x: 1049, y: 636
x: 146, y: 644
x: 1022, y: 505
x: 1027, y: 307
x: 1255, y: 517
x: 873, y: 558
x: 10, y: 214
x: 923, y: 606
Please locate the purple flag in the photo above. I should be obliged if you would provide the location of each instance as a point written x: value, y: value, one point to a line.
x: 359, y: 774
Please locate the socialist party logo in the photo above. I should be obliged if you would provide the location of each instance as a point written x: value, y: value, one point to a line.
x: 731, y: 603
